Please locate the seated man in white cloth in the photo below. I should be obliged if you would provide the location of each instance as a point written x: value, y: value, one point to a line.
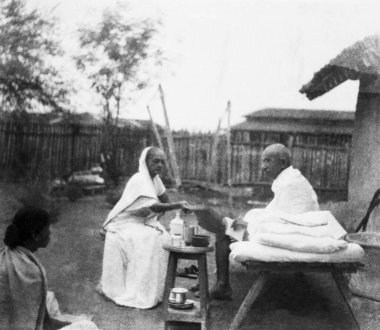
x: 293, y: 194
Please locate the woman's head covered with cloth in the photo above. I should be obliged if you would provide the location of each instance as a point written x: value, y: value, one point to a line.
x: 152, y: 159
x: 145, y: 183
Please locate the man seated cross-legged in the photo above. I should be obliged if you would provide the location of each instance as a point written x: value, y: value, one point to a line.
x: 293, y: 194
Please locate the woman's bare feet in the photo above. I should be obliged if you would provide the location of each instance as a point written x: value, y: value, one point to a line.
x: 99, y: 290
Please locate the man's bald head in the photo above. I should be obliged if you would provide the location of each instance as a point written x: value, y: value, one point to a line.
x: 275, y: 159
x: 280, y: 151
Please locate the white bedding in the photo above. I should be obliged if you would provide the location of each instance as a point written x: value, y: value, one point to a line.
x: 301, y: 243
x: 249, y: 250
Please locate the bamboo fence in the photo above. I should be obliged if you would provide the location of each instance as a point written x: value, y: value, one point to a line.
x: 60, y: 149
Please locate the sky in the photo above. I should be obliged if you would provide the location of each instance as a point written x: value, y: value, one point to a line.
x: 256, y: 53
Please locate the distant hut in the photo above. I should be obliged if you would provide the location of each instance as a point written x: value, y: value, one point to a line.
x: 360, y: 61
x: 296, y: 126
x: 319, y: 140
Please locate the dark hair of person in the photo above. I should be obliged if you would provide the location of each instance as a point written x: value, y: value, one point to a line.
x: 27, y: 222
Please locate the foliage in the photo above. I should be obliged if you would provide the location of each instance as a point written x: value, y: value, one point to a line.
x: 27, y: 46
x: 37, y: 194
x: 115, y: 53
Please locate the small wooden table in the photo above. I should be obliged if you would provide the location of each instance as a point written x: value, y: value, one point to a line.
x: 265, y: 269
x: 200, y: 312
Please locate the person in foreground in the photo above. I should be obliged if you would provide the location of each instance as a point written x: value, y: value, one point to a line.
x: 23, y: 284
x: 134, y: 262
x: 293, y: 194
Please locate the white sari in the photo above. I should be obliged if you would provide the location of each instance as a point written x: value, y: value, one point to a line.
x: 134, y: 263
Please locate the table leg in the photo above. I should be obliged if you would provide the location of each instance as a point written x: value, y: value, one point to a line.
x: 345, y: 293
x: 249, y: 300
x: 170, y: 280
x: 203, y: 289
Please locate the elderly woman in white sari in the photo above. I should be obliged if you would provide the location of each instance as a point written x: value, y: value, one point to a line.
x: 24, y: 299
x: 134, y: 263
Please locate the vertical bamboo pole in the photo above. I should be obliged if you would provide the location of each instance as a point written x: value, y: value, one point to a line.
x: 229, y: 183
x: 213, y: 157
x: 155, y: 130
x: 158, y: 138
x: 172, y: 156
x: 228, y: 136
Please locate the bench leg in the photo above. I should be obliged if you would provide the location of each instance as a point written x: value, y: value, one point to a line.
x: 345, y: 293
x: 249, y: 300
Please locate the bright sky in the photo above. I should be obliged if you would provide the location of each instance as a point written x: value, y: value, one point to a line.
x: 255, y: 53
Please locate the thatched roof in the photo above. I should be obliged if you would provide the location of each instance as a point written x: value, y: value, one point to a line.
x: 301, y: 114
x: 307, y: 128
x: 281, y: 120
x: 359, y: 61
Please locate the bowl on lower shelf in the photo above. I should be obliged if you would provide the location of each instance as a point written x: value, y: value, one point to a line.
x: 200, y: 240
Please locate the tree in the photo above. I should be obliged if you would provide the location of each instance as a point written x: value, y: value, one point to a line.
x: 27, y: 45
x: 115, y: 53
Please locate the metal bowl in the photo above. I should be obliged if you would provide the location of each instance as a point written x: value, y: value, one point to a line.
x: 178, y: 295
x: 200, y: 240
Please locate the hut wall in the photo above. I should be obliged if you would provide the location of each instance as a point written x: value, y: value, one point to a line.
x: 365, y: 168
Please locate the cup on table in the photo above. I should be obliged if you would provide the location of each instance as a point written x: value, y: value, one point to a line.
x: 178, y: 295
x: 188, y: 233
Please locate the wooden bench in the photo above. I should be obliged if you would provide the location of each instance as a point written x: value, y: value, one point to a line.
x: 265, y: 269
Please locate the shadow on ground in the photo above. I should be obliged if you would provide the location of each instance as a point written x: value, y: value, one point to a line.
x: 73, y: 263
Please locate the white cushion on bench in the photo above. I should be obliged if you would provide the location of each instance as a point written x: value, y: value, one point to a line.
x: 249, y: 250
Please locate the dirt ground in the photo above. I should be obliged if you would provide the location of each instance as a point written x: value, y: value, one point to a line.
x: 73, y: 263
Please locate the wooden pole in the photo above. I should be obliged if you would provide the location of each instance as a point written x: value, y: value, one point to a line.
x: 158, y: 138
x: 172, y: 157
x: 229, y: 181
x: 214, y: 148
x: 155, y: 130
x: 213, y: 156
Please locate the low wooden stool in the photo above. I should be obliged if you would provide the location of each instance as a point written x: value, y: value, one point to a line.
x: 265, y: 269
x: 200, y: 312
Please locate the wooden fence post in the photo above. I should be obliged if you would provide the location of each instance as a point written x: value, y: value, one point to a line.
x: 211, y: 168
x: 158, y: 138
x: 155, y: 130
x: 229, y: 158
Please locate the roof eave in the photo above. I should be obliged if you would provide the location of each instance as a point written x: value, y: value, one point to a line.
x: 326, y: 79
